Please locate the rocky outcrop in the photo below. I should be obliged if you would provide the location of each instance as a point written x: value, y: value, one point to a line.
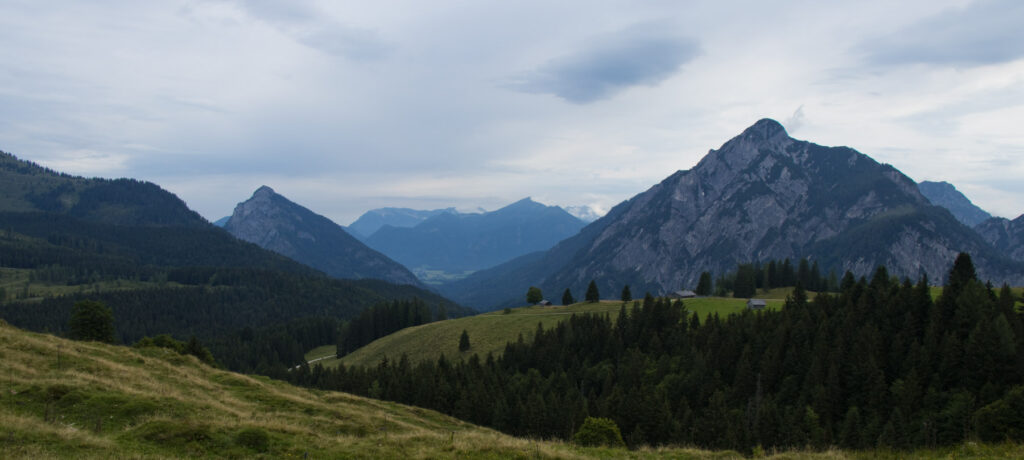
x: 1006, y: 235
x: 946, y: 195
x: 275, y: 223
x: 763, y: 195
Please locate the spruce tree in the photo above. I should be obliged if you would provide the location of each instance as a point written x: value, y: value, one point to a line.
x: 593, y: 296
x: 704, y: 285
x: 626, y: 295
x: 464, y: 341
x: 567, y: 298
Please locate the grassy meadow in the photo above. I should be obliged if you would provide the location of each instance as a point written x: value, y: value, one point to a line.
x: 489, y: 332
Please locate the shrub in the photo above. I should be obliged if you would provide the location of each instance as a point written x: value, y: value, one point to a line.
x: 253, y: 438
x: 599, y: 431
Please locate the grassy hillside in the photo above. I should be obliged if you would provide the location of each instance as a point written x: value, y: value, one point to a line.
x: 63, y: 399
x: 489, y: 332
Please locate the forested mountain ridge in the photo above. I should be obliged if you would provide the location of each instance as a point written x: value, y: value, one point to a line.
x: 946, y: 195
x: 28, y: 187
x: 455, y: 243
x: 276, y: 223
x: 162, y: 269
x: 763, y: 195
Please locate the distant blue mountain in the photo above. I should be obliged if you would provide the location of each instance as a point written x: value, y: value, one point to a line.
x: 946, y: 195
x: 456, y: 243
x: 374, y: 219
x: 222, y: 221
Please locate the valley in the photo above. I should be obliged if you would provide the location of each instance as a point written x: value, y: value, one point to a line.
x: 268, y: 294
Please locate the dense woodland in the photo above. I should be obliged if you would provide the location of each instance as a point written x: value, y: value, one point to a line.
x: 748, y: 278
x: 876, y: 364
x: 383, y: 319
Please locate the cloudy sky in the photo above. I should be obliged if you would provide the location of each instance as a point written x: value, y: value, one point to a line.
x: 347, y: 106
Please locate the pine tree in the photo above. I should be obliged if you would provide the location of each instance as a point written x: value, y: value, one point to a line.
x: 704, y: 285
x: 567, y: 297
x: 745, y: 285
x: 593, y: 296
x: 626, y: 295
x: 464, y: 341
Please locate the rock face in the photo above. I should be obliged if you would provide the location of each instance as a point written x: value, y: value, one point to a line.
x: 946, y: 195
x: 374, y: 219
x: 1006, y: 235
x: 275, y: 223
x: 763, y: 195
x: 454, y: 243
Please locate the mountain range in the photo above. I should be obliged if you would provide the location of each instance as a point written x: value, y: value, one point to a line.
x: 946, y: 195
x: 162, y: 269
x: 273, y: 222
x: 455, y: 243
x: 763, y: 195
x: 374, y: 219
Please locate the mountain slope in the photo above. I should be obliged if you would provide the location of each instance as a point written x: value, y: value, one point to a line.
x: 946, y: 195
x: 1005, y: 235
x: 275, y: 223
x: 27, y: 187
x: 160, y: 267
x: 374, y: 219
x: 763, y: 195
x: 64, y: 399
x: 465, y: 242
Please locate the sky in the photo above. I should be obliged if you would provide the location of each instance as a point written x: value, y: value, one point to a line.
x: 347, y: 106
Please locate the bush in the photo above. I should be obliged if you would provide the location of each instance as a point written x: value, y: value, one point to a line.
x: 599, y: 431
x: 253, y: 438
x: 1003, y: 420
x: 91, y: 320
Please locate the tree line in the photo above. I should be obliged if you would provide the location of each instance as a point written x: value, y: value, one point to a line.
x: 748, y: 278
x: 878, y: 363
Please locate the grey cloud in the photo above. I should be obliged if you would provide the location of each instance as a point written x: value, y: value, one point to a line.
x: 984, y: 32
x: 641, y: 55
x: 795, y: 121
x: 305, y: 24
x: 355, y: 44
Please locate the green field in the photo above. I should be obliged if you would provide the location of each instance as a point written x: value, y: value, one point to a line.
x: 489, y: 332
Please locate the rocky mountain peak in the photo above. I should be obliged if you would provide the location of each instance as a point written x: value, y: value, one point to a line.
x: 765, y: 129
x: 280, y: 225
x: 264, y: 192
x: 740, y: 152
